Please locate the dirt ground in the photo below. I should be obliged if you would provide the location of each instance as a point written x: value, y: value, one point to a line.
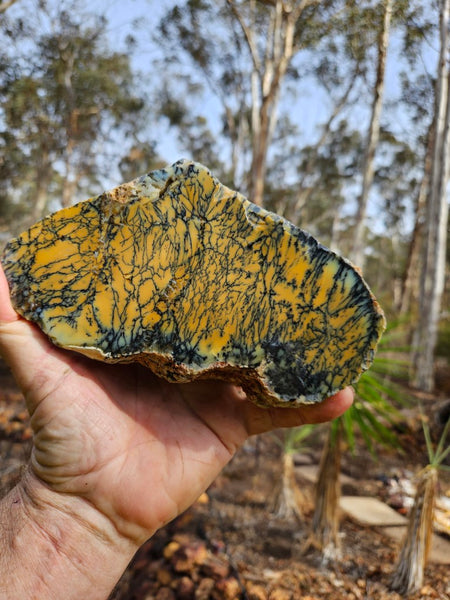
x: 230, y: 545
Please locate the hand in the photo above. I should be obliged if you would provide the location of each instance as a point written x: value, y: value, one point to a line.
x: 138, y: 449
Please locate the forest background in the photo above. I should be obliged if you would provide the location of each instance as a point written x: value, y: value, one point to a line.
x: 333, y: 113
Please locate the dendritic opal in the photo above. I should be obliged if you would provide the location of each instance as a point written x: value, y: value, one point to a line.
x: 180, y: 273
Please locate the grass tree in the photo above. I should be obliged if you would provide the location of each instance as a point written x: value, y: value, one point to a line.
x: 373, y: 414
x: 324, y: 534
x: 409, y: 570
x: 288, y: 499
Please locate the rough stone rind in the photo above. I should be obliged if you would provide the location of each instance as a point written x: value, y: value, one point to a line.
x: 180, y: 273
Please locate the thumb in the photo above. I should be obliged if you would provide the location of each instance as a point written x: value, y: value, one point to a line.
x: 7, y: 312
x: 31, y: 356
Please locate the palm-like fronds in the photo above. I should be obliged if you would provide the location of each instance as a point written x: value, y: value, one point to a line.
x: 325, y: 523
x: 373, y: 414
x: 409, y: 571
x: 288, y: 500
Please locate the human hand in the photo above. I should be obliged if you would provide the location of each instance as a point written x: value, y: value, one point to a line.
x: 137, y: 449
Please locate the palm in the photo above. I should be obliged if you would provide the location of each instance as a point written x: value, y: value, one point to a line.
x: 132, y: 444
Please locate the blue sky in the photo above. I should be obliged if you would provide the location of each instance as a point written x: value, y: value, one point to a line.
x: 138, y: 17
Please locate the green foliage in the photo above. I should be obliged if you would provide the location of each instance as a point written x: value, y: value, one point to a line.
x: 62, y: 97
x: 323, y: 174
x: 443, y: 343
x: 437, y: 455
x: 375, y: 412
x: 293, y: 439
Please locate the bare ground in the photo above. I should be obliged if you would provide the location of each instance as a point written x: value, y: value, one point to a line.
x: 230, y: 546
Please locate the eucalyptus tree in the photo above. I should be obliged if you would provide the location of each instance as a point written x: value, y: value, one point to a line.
x: 249, y: 75
x: 398, y: 185
x: 382, y: 44
x: 274, y: 32
x: 65, y: 99
x: 326, y: 171
x: 436, y: 217
x: 373, y: 415
x: 417, y: 94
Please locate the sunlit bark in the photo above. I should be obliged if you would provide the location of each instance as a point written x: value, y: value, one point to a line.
x: 410, y: 282
x: 288, y: 498
x: 268, y: 74
x: 436, y: 218
x: 325, y: 523
x: 372, y: 138
x: 414, y: 550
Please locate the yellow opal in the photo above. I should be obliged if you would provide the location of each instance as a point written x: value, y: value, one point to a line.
x: 186, y: 276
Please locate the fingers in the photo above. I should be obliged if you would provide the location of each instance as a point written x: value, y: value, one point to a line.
x: 260, y: 420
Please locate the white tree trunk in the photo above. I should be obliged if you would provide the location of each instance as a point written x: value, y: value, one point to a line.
x: 372, y: 138
x: 411, y: 278
x: 269, y: 71
x: 435, y: 240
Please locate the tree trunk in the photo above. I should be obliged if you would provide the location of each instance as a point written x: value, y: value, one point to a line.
x: 68, y: 60
x: 69, y: 184
x: 259, y: 160
x: 435, y: 239
x: 5, y: 5
x: 408, y: 574
x: 325, y: 523
x: 372, y: 138
x: 267, y: 78
x: 43, y: 178
x: 410, y: 283
x: 288, y: 497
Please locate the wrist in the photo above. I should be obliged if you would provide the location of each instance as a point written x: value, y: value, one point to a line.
x: 57, y: 545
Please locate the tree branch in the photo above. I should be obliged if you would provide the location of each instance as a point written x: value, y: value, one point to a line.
x: 248, y: 36
x: 5, y: 5
x: 304, y: 194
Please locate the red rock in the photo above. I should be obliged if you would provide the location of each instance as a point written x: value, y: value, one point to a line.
x: 203, y: 498
x: 256, y: 592
x: 280, y: 594
x: 228, y: 589
x: 148, y: 590
x: 165, y: 593
x: 187, y: 558
x: 164, y: 576
x: 204, y: 589
x: 185, y: 589
x: 215, y: 567
x: 170, y: 549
